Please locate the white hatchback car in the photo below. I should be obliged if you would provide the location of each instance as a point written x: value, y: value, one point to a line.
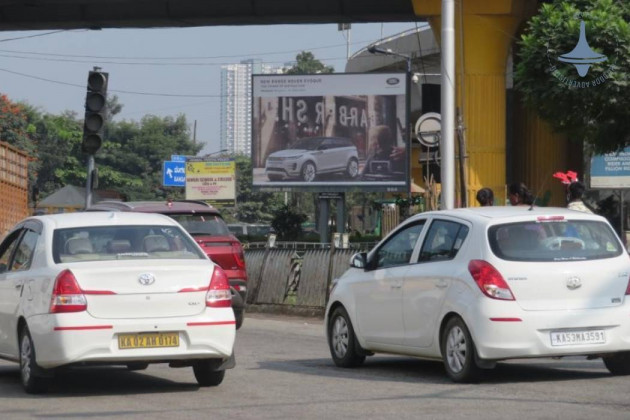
x: 111, y: 288
x: 475, y: 286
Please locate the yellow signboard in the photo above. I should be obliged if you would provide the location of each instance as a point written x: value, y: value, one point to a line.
x: 211, y: 179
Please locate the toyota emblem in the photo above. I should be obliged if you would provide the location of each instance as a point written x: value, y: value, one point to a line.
x: 146, y: 279
x: 574, y: 283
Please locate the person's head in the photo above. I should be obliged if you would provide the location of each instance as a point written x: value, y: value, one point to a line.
x: 575, y: 191
x: 382, y: 138
x: 485, y: 197
x: 519, y: 194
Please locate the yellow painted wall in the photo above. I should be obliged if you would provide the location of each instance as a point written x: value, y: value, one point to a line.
x: 489, y: 29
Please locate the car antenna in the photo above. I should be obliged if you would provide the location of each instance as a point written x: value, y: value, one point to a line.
x: 537, y: 194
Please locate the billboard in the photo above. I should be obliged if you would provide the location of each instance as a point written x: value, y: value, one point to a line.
x: 330, y: 132
x: 611, y: 170
x: 211, y: 179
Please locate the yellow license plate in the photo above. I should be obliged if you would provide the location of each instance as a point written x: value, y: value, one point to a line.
x: 148, y: 340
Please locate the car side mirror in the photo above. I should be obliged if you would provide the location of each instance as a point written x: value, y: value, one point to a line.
x: 359, y: 260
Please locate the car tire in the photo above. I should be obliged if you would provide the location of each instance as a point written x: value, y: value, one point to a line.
x: 137, y: 366
x: 344, y: 347
x: 206, y: 374
x: 352, y: 169
x: 239, y: 317
x: 32, y: 382
x: 618, y: 364
x: 459, y: 352
x: 308, y: 172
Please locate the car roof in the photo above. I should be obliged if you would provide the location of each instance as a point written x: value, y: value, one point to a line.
x: 102, y: 218
x: 507, y: 214
x: 163, y: 207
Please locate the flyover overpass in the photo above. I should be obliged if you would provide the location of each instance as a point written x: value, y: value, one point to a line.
x: 72, y: 14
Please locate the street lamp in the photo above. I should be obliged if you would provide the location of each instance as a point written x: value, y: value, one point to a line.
x: 375, y: 50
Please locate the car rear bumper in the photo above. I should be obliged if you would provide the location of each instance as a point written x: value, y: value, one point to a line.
x: 507, y: 334
x: 62, y: 339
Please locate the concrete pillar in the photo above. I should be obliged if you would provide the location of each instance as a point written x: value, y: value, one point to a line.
x: 487, y: 29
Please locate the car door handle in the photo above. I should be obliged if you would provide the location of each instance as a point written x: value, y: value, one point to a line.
x: 441, y: 284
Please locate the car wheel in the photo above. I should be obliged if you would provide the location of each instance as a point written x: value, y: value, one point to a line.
x: 239, y: 316
x: 309, y: 172
x: 618, y: 364
x: 344, y: 348
x: 206, y: 374
x: 31, y: 381
x: 459, y: 352
x: 353, y: 168
x: 137, y: 366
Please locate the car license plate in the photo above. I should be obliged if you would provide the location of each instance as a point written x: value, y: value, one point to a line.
x: 573, y: 338
x: 148, y: 340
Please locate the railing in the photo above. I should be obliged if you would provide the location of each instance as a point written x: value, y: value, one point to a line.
x: 359, y: 246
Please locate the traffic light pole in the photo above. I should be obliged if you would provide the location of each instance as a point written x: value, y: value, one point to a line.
x: 88, y: 186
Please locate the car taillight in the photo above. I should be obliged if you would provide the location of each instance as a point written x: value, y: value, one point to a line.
x: 489, y: 280
x: 219, y: 295
x: 628, y: 288
x: 239, y: 257
x: 67, y: 296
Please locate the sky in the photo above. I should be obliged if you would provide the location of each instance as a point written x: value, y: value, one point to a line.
x: 166, y: 71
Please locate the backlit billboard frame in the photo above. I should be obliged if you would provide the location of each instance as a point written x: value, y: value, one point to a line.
x: 319, y: 132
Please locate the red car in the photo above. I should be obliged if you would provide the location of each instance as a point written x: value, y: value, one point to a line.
x: 205, y: 224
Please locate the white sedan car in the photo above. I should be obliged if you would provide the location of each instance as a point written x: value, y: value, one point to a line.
x: 111, y: 288
x: 475, y: 286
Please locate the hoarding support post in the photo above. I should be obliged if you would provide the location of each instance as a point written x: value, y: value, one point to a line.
x: 322, y: 225
x: 341, y: 213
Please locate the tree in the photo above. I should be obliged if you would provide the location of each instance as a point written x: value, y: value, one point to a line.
x: 252, y: 207
x: 288, y: 223
x: 594, y: 107
x: 14, y: 125
x: 306, y: 63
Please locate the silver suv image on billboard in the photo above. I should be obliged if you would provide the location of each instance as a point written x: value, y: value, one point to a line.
x: 332, y: 132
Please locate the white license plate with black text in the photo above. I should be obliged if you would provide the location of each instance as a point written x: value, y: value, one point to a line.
x: 574, y: 338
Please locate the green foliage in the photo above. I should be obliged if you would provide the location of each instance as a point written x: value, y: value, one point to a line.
x: 306, y: 63
x: 130, y: 160
x: 252, y: 207
x: 598, y: 114
x: 288, y: 223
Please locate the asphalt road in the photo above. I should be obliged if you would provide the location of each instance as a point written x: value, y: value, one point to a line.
x: 284, y: 371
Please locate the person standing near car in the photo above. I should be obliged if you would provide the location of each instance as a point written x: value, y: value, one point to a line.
x: 519, y: 195
x: 575, y: 190
x: 485, y: 197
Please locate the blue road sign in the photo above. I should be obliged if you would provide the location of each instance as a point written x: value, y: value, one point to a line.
x: 174, y: 174
x: 178, y: 158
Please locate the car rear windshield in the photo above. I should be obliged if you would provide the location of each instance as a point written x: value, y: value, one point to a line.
x: 93, y: 243
x: 563, y: 240
x: 202, y: 224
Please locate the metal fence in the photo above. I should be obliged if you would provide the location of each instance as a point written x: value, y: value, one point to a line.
x: 287, y: 276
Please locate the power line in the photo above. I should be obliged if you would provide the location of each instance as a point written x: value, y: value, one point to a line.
x: 30, y: 76
x: 183, y: 57
x: 31, y: 36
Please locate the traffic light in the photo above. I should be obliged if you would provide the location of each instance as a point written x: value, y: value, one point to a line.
x: 95, y: 115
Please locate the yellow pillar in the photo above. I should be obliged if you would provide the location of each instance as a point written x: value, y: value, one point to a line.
x: 487, y: 30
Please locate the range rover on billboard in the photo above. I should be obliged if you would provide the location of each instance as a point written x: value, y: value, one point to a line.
x: 310, y: 157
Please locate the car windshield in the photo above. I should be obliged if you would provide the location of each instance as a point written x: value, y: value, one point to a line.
x: 93, y: 243
x: 202, y: 224
x: 551, y: 241
x: 307, y: 143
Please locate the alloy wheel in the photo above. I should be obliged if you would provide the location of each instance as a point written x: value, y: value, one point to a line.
x: 340, y: 337
x: 456, y: 349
